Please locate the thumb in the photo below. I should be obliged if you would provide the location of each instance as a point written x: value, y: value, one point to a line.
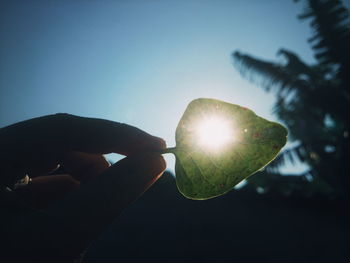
x: 86, y: 212
x: 71, y: 224
x: 99, y: 201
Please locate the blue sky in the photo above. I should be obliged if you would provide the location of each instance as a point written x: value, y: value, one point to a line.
x: 138, y: 62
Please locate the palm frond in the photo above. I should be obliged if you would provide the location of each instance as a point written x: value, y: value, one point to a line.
x: 294, y: 78
x: 331, y: 39
x: 280, y: 76
x: 306, y: 95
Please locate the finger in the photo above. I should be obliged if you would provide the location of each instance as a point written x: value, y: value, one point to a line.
x: 44, y: 190
x: 64, y: 132
x: 83, y: 166
x: 91, y: 208
x: 24, y: 144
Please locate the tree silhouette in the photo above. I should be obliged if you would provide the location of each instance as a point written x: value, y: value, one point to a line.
x: 313, y: 100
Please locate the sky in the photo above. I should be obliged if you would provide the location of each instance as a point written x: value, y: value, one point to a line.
x: 138, y: 62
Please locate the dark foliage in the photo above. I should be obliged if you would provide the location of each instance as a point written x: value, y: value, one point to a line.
x: 242, y: 226
x: 313, y: 101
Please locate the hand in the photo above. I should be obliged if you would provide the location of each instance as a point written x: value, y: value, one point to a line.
x: 68, y: 211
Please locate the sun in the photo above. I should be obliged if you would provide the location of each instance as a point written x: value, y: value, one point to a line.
x: 214, y: 133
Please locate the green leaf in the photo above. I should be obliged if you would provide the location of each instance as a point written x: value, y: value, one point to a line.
x: 219, y: 144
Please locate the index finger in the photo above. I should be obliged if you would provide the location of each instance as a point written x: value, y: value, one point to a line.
x: 65, y: 132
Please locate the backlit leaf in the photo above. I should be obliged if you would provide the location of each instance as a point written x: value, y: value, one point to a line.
x: 219, y: 144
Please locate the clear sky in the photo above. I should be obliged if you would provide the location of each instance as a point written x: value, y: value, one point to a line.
x: 138, y: 62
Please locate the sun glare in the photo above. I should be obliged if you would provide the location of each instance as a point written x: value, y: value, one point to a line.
x: 214, y: 133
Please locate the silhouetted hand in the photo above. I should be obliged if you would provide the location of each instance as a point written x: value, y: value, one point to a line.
x: 55, y: 217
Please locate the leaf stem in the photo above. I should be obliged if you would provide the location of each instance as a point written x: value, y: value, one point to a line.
x: 168, y: 150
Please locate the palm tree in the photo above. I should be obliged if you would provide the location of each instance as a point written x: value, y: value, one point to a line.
x: 313, y: 100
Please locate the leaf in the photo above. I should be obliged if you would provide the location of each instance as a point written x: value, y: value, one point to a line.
x: 209, y: 165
